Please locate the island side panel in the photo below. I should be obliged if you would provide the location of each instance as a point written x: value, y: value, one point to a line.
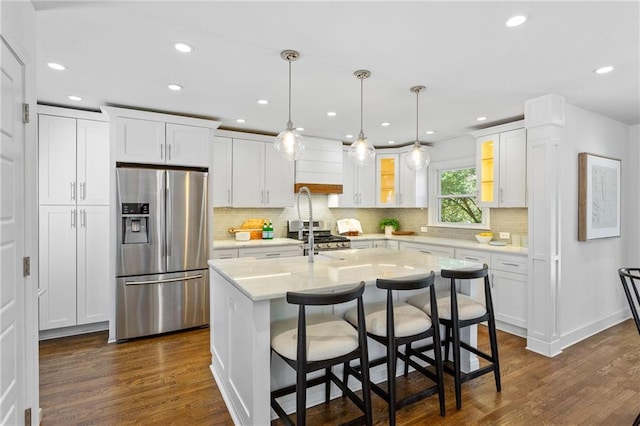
x: 240, y: 351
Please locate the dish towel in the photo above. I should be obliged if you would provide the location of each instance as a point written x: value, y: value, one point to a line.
x: 348, y: 225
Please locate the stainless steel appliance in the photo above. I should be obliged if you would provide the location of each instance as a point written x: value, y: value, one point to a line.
x: 323, y: 240
x: 162, y: 275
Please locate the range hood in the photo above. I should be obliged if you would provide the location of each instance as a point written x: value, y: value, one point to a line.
x: 320, y: 169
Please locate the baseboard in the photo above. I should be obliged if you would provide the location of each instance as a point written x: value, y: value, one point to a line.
x: 548, y: 349
x: 225, y: 395
x: 73, y: 331
x: 511, y: 329
x: 579, y: 334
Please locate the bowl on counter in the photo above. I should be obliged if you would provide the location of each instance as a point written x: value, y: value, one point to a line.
x: 483, y: 239
x: 243, y: 236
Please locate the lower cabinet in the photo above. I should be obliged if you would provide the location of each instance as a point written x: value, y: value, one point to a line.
x: 509, y: 290
x: 74, y: 267
x: 361, y: 244
x: 258, y: 252
x: 433, y: 250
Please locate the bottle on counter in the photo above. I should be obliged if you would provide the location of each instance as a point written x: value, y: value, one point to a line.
x: 270, y: 230
x: 265, y: 231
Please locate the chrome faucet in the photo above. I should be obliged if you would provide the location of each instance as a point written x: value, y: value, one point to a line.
x: 310, y: 239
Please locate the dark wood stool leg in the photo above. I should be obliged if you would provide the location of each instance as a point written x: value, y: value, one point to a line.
x: 456, y: 365
x: 301, y: 395
x: 391, y: 380
x: 636, y: 422
x: 345, y: 377
x: 327, y: 385
x: 447, y: 341
x: 407, y: 349
x: 493, y: 340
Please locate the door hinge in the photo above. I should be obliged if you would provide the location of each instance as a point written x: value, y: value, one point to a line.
x: 27, y: 417
x: 25, y: 113
x: 26, y: 266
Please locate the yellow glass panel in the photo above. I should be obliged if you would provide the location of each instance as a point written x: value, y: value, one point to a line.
x: 487, y: 170
x: 387, y: 180
x: 486, y: 192
x: 387, y: 196
x: 487, y: 150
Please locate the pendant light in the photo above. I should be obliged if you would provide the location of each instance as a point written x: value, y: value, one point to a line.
x: 289, y: 143
x: 361, y: 152
x: 418, y: 158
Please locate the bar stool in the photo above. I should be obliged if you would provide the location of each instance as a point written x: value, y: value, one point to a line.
x: 630, y: 278
x: 457, y: 311
x: 318, y: 341
x: 395, y: 324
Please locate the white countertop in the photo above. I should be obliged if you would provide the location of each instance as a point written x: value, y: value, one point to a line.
x: 262, y: 279
x: 231, y: 244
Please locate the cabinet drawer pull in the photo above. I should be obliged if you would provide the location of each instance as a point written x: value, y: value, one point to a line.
x: 471, y: 258
x: 226, y: 256
x: 511, y: 264
x: 272, y: 254
x: 425, y: 251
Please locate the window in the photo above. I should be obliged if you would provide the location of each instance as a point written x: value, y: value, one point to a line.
x: 454, y: 201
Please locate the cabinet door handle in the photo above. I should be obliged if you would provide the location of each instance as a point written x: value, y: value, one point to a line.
x: 229, y: 196
x: 267, y: 196
x: 169, y: 152
x: 73, y: 218
x: 83, y: 218
x: 82, y: 191
x: 501, y: 195
x: 73, y: 191
x: 262, y: 197
x: 493, y: 283
x: 162, y: 151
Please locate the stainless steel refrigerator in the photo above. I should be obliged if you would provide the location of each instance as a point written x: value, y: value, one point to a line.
x: 162, y: 281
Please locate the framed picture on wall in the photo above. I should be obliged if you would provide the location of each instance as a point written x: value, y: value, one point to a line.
x: 598, y: 197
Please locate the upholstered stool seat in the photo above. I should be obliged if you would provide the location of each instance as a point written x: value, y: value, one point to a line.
x: 328, y: 336
x: 408, y: 320
x: 318, y: 341
x: 468, y: 307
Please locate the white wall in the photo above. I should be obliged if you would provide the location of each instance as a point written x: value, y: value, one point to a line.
x: 453, y: 149
x: 591, y: 297
x: 631, y: 198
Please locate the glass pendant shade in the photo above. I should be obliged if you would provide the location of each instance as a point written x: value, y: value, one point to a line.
x: 289, y: 144
x: 361, y: 152
x: 418, y: 158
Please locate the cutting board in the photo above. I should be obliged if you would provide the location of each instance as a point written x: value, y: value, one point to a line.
x: 253, y: 226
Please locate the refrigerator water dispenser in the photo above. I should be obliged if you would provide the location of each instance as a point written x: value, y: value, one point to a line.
x: 135, y: 223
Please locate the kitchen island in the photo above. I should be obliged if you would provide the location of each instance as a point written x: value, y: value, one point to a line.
x: 248, y: 294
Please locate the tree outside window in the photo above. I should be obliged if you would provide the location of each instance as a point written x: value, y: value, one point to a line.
x: 457, y: 197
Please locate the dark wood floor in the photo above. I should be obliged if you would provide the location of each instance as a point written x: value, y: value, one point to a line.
x: 166, y: 380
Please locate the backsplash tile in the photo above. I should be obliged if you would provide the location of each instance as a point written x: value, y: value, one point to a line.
x: 512, y: 220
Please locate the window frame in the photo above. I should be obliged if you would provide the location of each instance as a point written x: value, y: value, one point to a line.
x: 435, y: 170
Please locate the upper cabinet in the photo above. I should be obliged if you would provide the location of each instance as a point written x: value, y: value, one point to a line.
x: 154, y: 138
x: 397, y: 185
x: 73, y: 158
x: 501, y: 164
x: 358, y: 185
x: 260, y: 177
x: 221, y: 176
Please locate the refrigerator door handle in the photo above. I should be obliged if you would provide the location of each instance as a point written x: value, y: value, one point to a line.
x: 168, y: 280
x: 169, y: 221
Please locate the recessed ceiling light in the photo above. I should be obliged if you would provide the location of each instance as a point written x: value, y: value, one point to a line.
x: 481, y: 118
x: 175, y: 87
x: 74, y: 98
x: 262, y: 101
x: 348, y: 136
x: 391, y: 142
x: 514, y: 21
x: 331, y: 114
x: 603, y: 70
x: 430, y: 132
x: 57, y: 67
x: 240, y: 120
x: 300, y: 129
x: 385, y: 124
x: 183, y: 47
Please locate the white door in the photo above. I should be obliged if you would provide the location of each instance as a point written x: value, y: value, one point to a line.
x: 221, y: 172
x: 140, y: 141
x: 188, y: 145
x: 278, y: 179
x: 57, y: 159
x: 93, y: 162
x: 367, y: 185
x: 12, y: 282
x: 348, y: 198
x: 248, y: 173
x: 93, y: 283
x: 57, y: 250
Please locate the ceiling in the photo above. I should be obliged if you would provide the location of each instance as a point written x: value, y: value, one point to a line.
x: 121, y: 53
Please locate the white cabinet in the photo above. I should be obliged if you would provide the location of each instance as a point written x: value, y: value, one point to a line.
x: 261, y: 178
x: 397, y: 185
x: 509, y: 290
x: 501, y: 165
x: 270, y: 252
x: 433, y: 250
x: 358, y: 185
x: 73, y: 160
x: 74, y: 268
x: 361, y: 244
x: 148, y: 141
x: 225, y: 253
x: 474, y: 288
x: 221, y: 172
